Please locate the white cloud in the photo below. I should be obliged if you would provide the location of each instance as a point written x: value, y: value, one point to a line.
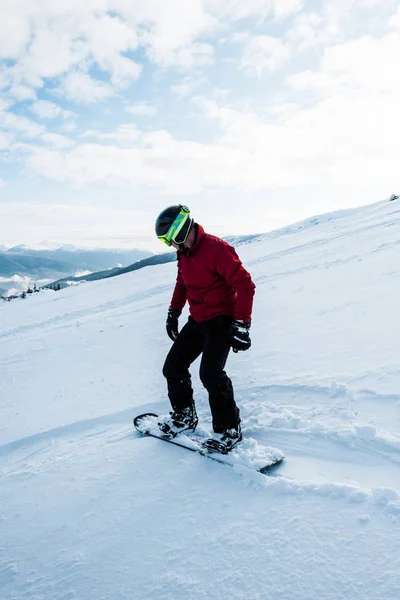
x: 82, y: 223
x: 85, y: 51
x: 21, y: 93
x: 46, y: 40
x: 338, y: 139
x: 51, y: 53
x: 307, y: 31
x: 364, y: 64
x: 172, y: 30
x: 239, y: 158
x: 354, y: 126
x: 125, y: 134
x: 142, y: 109
x: 394, y: 20
x: 68, y: 127
x: 264, y: 53
x: 14, y: 32
x: 80, y: 87
x: 334, y: 23
x: 57, y: 141
x: 5, y: 78
x: 120, y: 38
x: 194, y: 55
x: 286, y: 8
x: 238, y: 9
x: 186, y: 57
x: 4, y: 141
x: 49, y: 110
x: 19, y: 125
x: 5, y: 103
x: 187, y: 85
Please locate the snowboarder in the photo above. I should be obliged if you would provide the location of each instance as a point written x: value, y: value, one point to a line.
x: 220, y: 294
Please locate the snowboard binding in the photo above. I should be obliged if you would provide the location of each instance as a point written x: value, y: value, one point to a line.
x: 224, y: 442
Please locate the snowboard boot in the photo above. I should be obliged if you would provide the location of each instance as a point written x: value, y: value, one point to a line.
x: 178, y: 421
x: 224, y: 442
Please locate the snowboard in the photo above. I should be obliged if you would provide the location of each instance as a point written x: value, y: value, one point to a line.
x: 248, y: 453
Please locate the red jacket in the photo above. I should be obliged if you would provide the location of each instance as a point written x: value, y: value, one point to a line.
x: 213, y: 280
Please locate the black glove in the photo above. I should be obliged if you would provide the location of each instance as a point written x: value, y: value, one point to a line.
x: 172, y: 323
x: 240, y: 335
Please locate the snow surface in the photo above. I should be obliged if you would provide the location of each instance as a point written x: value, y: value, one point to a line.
x: 249, y: 453
x: 91, y: 510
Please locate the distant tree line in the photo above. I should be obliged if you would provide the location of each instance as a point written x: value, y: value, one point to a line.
x: 34, y: 290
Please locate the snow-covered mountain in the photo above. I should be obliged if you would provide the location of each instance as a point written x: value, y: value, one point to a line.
x: 44, y: 246
x: 91, y: 510
x: 43, y: 264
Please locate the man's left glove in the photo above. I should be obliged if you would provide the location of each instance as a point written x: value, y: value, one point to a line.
x: 172, y: 323
x: 240, y: 335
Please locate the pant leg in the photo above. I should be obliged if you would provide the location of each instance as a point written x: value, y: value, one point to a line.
x: 225, y: 413
x: 184, y: 351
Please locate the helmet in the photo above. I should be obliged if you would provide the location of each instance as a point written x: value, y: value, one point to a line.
x: 174, y: 224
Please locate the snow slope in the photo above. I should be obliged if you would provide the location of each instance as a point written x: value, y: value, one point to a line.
x: 90, y: 510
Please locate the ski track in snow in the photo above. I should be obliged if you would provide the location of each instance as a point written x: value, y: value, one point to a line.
x: 315, y: 439
x: 86, y: 312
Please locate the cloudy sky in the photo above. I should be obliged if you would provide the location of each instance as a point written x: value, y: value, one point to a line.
x: 254, y: 113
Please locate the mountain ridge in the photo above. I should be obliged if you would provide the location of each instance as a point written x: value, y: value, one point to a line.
x: 43, y: 266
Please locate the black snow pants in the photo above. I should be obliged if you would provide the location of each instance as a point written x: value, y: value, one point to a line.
x: 211, y: 339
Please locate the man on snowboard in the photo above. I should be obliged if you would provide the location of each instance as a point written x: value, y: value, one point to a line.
x: 220, y: 294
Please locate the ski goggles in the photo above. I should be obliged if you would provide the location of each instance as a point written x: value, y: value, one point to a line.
x: 177, y: 232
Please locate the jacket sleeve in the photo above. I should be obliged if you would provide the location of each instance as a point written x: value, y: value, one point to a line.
x: 229, y: 266
x: 179, y: 296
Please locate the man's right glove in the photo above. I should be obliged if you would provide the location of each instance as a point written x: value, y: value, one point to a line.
x: 172, y: 323
x: 240, y: 335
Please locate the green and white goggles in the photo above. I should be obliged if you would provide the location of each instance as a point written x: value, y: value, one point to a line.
x: 179, y: 229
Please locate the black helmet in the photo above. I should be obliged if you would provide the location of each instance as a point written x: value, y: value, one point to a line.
x: 174, y: 224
